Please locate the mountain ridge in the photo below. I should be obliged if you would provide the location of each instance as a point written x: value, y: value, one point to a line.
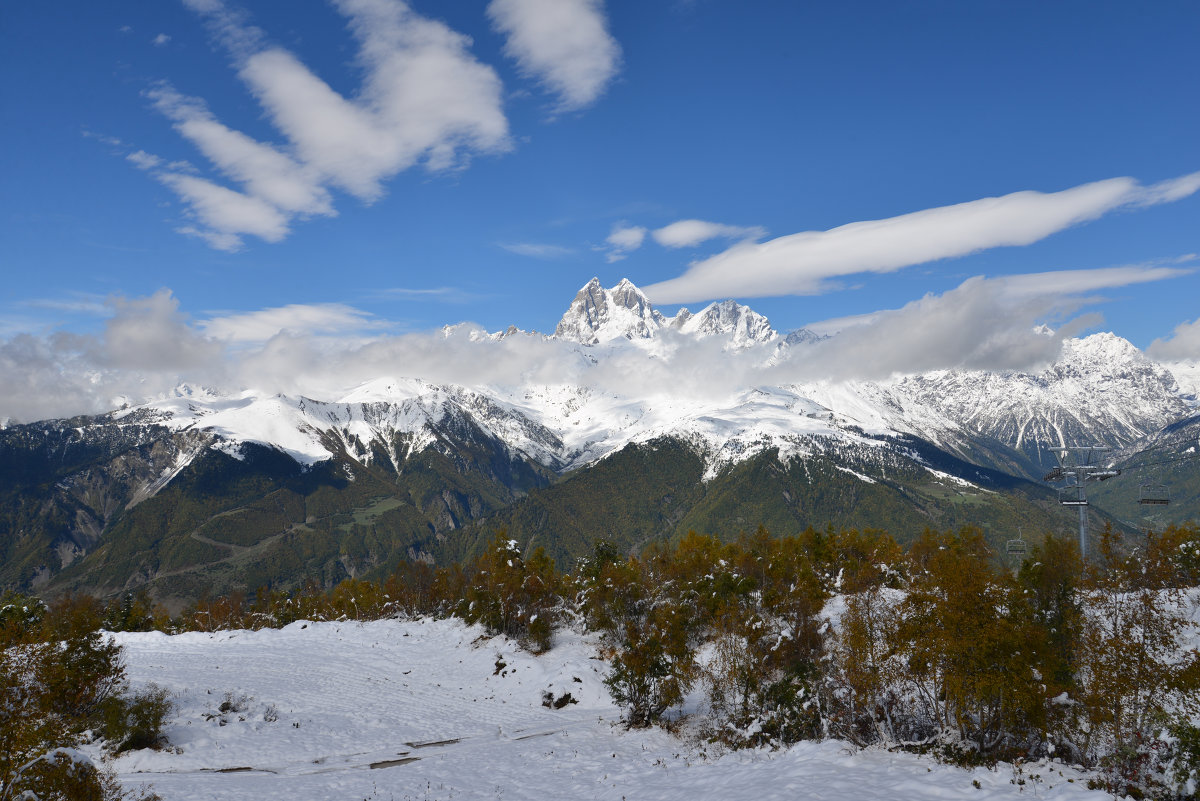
x: 1102, y: 390
x: 412, y: 466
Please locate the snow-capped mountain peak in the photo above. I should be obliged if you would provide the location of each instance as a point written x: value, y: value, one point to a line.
x: 741, y: 324
x: 803, y: 336
x: 601, y: 315
x: 1100, y: 352
x: 1101, y: 390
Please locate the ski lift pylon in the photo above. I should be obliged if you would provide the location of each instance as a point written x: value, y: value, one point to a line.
x: 1154, y: 494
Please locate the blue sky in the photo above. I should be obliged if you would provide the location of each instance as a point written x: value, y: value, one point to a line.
x: 377, y: 168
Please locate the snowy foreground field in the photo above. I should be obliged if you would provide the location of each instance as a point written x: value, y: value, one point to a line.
x: 434, y: 709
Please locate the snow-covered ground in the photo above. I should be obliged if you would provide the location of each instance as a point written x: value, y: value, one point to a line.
x: 434, y: 709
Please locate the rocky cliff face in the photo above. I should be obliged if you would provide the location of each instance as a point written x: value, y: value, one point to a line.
x: 1102, y: 391
x: 600, y: 315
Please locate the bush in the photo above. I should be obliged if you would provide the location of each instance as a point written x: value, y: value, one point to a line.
x: 652, y: 670
x: 135, y: 722
x: 64, y: 775
x: 970, y: 657
x: 1184, y: 774
x: 513, y: 595
x: 60, y: 677
x: 647, y: 630
x: 1136, y: 676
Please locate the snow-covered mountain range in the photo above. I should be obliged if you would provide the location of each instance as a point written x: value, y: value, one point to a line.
x: 1102, y: 390
x: 644, y: 427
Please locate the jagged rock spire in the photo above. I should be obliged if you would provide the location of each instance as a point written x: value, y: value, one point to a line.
x: 741, y: 324
x: 599, y: 315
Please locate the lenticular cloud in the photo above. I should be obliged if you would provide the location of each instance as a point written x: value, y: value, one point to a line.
x: 804, y: 263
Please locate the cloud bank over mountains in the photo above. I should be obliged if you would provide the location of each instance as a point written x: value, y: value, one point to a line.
x: 148, y: 347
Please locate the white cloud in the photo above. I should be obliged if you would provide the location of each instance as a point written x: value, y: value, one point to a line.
x: 230, y: 243
x: 972, y: 326
x: 262, y: 170
x: 537, y: 250
x: 231, y: 26
x: 804, y: 263
x: 689, y: 233
x: 1182, y: 345
x: 103, y: 139
x: 442, y: 291
x: 145, y: 347
x: 424, y: 100
x: 1169, y: 191
x: 47, y: 377
x: 143, y: 160
x: 565, y: 44
x: 227, y: 213
x: 1076, y: 282
x: 296, y: 319
x: 441, y: 294
x: 424, y: 97
x: 984, y: 323
x: 323, y: 350
x: 151, y: 334
x: 1184, y: 342
x: 836, y: 325
x: 78, y: 303
x: 161, y: 40
x: 623, y: 240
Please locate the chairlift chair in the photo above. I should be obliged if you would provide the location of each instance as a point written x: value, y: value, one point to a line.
x: 1072, y: 496
x: 1154, y: 494
x: 1016, y: 547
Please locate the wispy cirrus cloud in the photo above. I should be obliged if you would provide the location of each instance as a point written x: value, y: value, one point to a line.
x: 297, y: 319
x: 75, y: 303
x: 1073, y: 283
x: 689, y: 233
x: 804, y: 263
x: 564, y: 44
x: 442, y: 294
x: 222, y: 214
x: 424, y: 101
x: 623, y: 240
x: 537, y: 250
